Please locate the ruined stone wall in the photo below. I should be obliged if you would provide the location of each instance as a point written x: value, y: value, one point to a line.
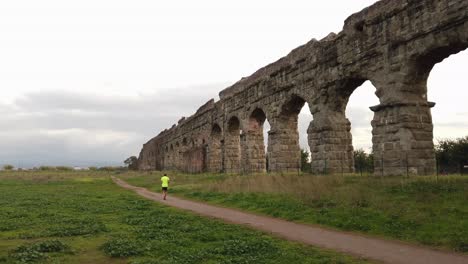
x: 394, y: 44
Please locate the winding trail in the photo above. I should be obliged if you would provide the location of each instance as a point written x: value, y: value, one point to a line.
x: 385, y: 251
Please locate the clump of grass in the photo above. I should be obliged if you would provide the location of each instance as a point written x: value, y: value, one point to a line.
x: 35, y: 252
x: 76, y: 227
x: 118, y: 247
x: 302, y: 186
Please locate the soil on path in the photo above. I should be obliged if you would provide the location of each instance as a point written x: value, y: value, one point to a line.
x: 385, y: 251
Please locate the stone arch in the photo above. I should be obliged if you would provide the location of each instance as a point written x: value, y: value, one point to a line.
x: 330, y: 135
x: 215, y: 149
x: 283, y: 141
x: 254, y: 146
x: 232, y: 146
x: 184, y: 142
x: 402, y: 124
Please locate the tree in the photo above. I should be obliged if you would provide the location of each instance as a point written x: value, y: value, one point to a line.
x: 452, y: 154
x: 8, y: 167
x: 132, y: 163
x: 363, y: 161
x: 305, y: 163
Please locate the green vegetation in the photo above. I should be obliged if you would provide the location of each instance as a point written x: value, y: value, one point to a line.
x: 363, y: 162
x: 452, y: 155
x: 82, y: 217
x: 8, y: 167
x: 132, y: 163
x: 427, y: 210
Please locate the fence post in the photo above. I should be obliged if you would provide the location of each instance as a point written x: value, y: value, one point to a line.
x: 325, y: 170
x: 341, y: 162
x: 382, y: 166
x: 407, y: 168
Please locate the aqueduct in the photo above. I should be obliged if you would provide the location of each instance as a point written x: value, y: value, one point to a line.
x: 394, y: 44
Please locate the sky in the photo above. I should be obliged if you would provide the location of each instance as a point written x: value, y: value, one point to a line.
x: 86, y: 83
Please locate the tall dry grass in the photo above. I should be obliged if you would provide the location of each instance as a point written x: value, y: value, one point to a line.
x: 306, y: 187
x: 354, y: 190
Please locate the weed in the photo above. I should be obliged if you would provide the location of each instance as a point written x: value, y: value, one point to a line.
x: 122, y: 247
x: 34, y: 252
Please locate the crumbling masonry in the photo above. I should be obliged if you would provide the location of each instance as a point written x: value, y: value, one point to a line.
x: 394, y: 44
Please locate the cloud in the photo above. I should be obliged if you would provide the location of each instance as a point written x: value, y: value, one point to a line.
x: 89, y: 129
x: 85, y: 129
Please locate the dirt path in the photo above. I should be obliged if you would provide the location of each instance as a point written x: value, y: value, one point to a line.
x: 370, y: 248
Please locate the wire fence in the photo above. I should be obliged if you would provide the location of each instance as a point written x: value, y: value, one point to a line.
x: 371, y: 165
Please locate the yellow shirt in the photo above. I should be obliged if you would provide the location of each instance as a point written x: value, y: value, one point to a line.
x: 165, y: 181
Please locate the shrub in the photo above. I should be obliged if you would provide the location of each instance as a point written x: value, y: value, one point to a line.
x: 8, y: 167
x: 36, y: 251
x: 118, y: 247
x: 452, y: 155
x: 64, y: 168
x: 76, y: 227
x: 363, y: 162
x: 47, y: 168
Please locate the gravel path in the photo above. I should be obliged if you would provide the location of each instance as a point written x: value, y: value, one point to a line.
x: 385, y: 251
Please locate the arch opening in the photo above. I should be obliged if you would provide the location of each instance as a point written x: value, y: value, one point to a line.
x: 359, y: 115
x: 305, y: 118
x: 450, y: 114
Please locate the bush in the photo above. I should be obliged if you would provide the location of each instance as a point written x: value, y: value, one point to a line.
x: 363, y: 162
x: 76, y: 227
x: 452, y: 154
x: 36, y: 251
x: 305, y: 163
x: 119, y: 247
x: 47, y: 168
x: 64, y: 168
x: 8, y: 167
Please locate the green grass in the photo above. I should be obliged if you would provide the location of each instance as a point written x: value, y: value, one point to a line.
x: 424, y: 210
x: 82, y: 217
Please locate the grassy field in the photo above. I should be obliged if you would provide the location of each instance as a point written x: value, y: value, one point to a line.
x: 424, y: 210
x: 82, y: 217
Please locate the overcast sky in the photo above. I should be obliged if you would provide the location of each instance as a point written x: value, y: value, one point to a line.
x: 88, y: 82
